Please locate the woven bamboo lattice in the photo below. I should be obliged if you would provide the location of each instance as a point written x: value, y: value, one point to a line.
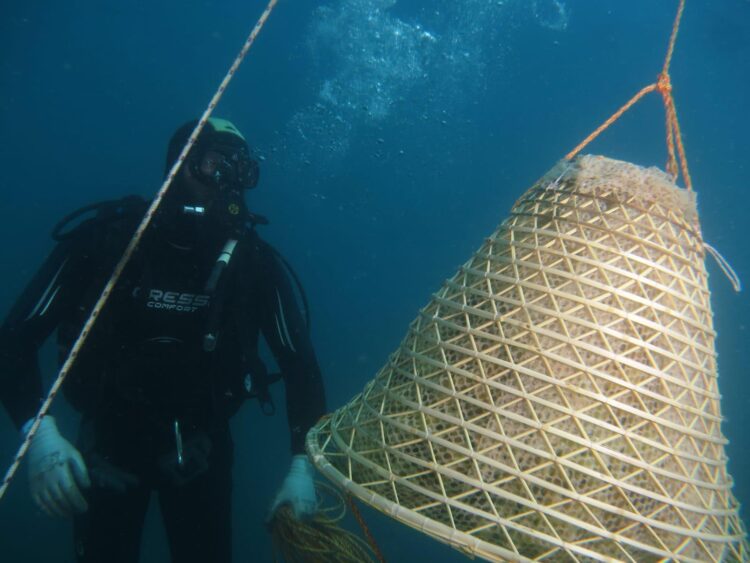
x: 557, y: 399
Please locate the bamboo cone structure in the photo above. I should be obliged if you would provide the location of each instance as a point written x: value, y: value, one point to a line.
x: 557, y: 399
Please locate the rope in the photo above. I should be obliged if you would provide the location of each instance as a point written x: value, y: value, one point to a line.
x: 673, y: 37
x: 86, y: 330
x: 365, y: 529
x: 677, y: 159
x: 615, y: 116
x: 725, y: 266
x: 320, y: 539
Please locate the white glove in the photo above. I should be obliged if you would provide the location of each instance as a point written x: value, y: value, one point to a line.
x: 298, y: 489
x: 56, y: 471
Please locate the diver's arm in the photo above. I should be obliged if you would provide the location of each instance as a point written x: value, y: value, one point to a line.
x: 51, y: 294
x: 57, y: 472
x: 287, y: 335
x: 20, y: 380
x: 285, y: 331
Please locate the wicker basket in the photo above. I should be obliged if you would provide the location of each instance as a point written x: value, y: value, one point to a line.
x: 557, y: 399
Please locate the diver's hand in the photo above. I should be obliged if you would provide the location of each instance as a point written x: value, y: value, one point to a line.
x: 56, y: 472
x: 298, y: 489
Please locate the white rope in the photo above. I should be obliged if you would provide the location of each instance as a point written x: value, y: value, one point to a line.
x: 723, y: 263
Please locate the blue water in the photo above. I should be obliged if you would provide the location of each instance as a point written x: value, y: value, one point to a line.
x: 394, y: 135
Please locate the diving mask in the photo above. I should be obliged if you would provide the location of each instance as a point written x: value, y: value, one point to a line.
x: 226, y: 166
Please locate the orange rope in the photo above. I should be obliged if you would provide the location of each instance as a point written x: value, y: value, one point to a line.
x: 610, y: 121
x: 663, y: 85
x: 365, y: 530
x: 673, y: 37
x: 681, y: 150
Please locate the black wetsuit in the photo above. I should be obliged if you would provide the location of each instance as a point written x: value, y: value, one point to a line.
x: 144, y: 381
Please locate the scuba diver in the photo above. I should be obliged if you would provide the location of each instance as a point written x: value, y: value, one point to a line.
x: 171, y: 358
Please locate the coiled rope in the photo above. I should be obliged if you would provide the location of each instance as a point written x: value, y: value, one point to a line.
x: 91, y: 321
x: 322, y: 538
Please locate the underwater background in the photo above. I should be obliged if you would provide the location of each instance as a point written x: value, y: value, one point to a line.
x: 393, y: 136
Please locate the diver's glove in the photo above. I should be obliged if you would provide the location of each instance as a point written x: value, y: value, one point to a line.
x: 56, y: 471
x: 298, y: 489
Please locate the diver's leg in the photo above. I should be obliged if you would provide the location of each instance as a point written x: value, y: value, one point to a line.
x: 197, y: 513
x: 110, y: 530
